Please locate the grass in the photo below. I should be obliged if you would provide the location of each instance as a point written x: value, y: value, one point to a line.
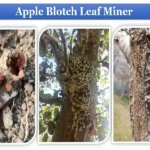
x: 122, y: 129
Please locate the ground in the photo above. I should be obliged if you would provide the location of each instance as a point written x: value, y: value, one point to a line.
x: 122, y: 127
x: 17, y: 85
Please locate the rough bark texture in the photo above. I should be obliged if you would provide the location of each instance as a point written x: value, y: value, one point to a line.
x: 147, y: 87
x: 17, y: 87
x: 79, y: 90
x: 137, y: 66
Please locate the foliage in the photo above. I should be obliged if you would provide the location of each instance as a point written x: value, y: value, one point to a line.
x: 49, y: 86
x: 48, y: 117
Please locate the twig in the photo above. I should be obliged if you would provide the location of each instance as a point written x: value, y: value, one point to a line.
x: 54, y: 75
x: 100, y: 113
x: 103, y: 90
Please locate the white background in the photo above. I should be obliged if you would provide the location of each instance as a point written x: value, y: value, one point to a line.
x: 40, y: 25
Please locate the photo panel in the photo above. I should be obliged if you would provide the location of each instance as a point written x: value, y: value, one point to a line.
x: 17, y: 85
x: 74, y: 85
x: 131, y: 99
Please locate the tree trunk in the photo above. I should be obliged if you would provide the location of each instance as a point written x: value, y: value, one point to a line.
x: 139, y: 118
x: 79, y: 89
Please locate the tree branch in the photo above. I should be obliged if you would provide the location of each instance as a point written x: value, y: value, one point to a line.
x: 104, y: 63
x: 103, y: 90
x: 57, y: 51
x: 64, y: 44
x: 51, y: 100
x: 54, y: 75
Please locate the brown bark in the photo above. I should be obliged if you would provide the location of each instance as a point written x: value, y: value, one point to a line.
x: 76, y: 120
x: 137, y: 66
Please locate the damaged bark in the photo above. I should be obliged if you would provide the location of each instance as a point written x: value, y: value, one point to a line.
x: 80, y: 91
x: 138, y: 115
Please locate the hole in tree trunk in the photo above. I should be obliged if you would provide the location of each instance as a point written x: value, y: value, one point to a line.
x: 15, y: 62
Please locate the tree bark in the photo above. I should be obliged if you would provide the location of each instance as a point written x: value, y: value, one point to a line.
x: 80, y: 91
x: 138, y: 114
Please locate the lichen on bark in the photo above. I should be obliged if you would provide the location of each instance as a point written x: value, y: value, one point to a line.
x: 79, y: 94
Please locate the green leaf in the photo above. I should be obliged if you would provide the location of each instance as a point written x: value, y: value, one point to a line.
x: 98, y: 69
x: 41, y: 126
x: 49, y: 55
x: 45, y: 108
x: 45, y: 137
x: 56, y: 113
x: 106, y: 34
x: 99, y: 58
x: 47, y: 115
x: 101, y: 39
x: 73, y: 40
x: 51, y: 127
x: 41, y: 122
x: 42, y: 129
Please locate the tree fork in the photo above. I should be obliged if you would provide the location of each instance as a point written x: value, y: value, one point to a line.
x: 67, y: 128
